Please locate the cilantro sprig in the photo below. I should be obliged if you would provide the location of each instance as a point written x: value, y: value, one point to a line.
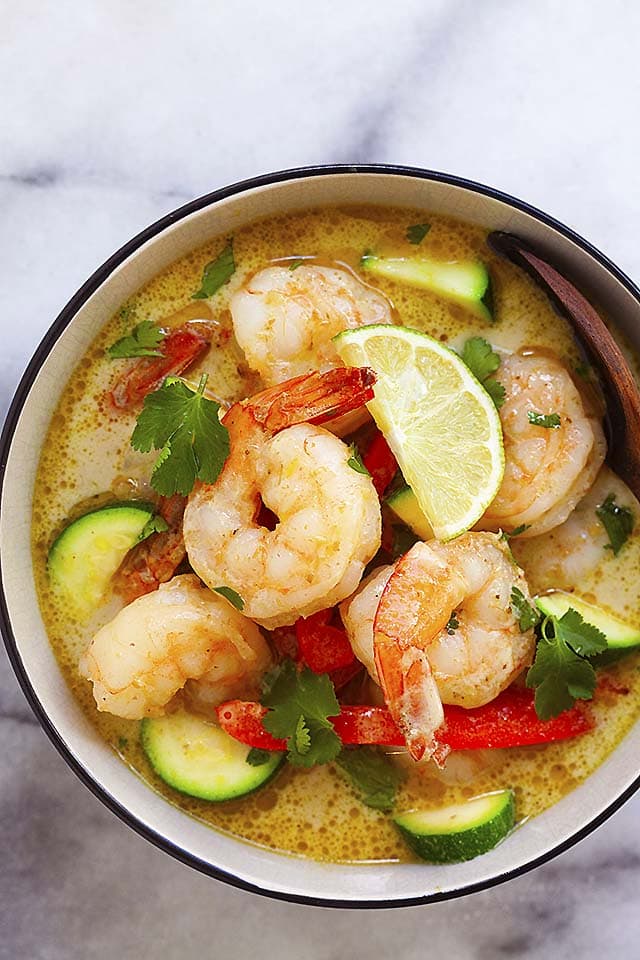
x: 561, y: 672
x: 183, y: 425
x: 155, y: 524
x: 483, y: 363
x: 549, y: 420
x: 231, y: 595
x: 143, y: 341
x: 524, y: 612
x: 617, y: 521
x: 373, y: 776
x: 216, y: 273
x: 300, y: 704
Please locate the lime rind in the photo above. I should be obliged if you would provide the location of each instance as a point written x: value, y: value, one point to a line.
x: 620, y: 635
x: 416, y: 395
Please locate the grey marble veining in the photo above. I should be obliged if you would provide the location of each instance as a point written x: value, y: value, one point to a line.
x: 113, y: 113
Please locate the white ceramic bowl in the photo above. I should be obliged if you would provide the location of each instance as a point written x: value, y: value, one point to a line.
x: 214, y: 853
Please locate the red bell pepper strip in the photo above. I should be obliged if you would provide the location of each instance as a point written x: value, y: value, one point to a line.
x: 508, y: 721
x: 322, y: 647
x: 180, y: 349
x: 381, y: 463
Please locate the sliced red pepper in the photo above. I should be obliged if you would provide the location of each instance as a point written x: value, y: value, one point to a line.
x: 242, y: 720
x: 180, y: 349
x: 508, y: 721
x: 381, y: 463
x: 322, y: 647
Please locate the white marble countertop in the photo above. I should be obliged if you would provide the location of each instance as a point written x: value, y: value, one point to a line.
x: 113, y: 113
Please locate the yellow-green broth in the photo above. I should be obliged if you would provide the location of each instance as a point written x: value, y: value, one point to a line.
x: 86, y: 454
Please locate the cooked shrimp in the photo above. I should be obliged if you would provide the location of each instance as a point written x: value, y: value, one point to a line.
x: 284, y: 319
x: 153, y: 646
x: 328, y: 514
x: 401, y: 627
x: 564, y: 557
x: 547, y: 470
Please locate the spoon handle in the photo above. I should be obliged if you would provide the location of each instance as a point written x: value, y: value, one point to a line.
x: 621, y: 390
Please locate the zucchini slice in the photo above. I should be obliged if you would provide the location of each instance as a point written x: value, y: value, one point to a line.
x: 403, y: 502
x: 466, y: 282
x: 461, y: 831
x: 620, y: 635
x: 83, y: 559
x: 201, y: 760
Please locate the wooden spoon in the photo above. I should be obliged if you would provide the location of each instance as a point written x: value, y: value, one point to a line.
x: 618, y: 382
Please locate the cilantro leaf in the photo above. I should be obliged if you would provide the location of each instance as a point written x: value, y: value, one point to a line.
x: 143, y: 341
x: 560, y: 677
x: 583, y: 638
x: 155, y: 524
x: 184, y: 426
x: 416, y: 233
x: 526, y: 614
x: 355, y: 461
x: 257, y: 757
x: 229, y: 594
x: 216, y: 273
x: 300, y: 704
x: 374, y: 777
x: 549, y: 420
x: 483, y: 362
x: 617, y: 521
x: 295, y: 264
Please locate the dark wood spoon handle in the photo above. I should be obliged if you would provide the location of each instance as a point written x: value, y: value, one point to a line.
x: 621, y: 390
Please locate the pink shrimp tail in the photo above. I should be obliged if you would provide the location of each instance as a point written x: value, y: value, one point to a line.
x: 405, y: 674
x: 313, y: 397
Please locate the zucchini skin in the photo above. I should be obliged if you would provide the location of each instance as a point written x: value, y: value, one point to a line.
x: 466, y: 843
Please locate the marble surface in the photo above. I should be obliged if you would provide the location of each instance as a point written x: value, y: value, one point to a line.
x: 112, y: 113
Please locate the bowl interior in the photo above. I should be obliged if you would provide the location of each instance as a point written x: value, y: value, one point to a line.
x: 216, y: 853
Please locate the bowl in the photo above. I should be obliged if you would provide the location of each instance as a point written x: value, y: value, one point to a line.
x: 214, y: 853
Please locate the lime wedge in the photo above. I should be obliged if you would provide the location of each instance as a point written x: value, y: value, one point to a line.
x: 437, y: 418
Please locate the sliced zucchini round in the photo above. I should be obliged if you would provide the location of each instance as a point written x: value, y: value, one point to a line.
x: 83, y: 559
x: 620, y: 635
x: 466, y: 282
x: 404, y: 504
x: 201, y: 760
x: 461, y: 831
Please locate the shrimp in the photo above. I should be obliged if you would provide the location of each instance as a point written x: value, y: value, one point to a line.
x: 565, y: 556
x: 438, y: 628
x: 181, y: 632
x: 328, y: 514
x: 284, y: 319
x: 547, y: 470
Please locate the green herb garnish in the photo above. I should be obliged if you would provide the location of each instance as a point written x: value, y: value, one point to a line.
x: 549, y: 420
x: 257, y: 757
x: 156, y: 524
x: 560, y: 673
x: 417, y: 232
x: 295, y: 264
x: 229, y: 594
x: 374, y: 777
x: 508, y: 534
x: 526, y: 614
x: 355, y: 461
x: 300, y: 706
x: 184, y: 426
x: 452, y: 624
x: 617, y: 521
x: 143, y: 341
x: 483, y: 362
x: 216, y: 273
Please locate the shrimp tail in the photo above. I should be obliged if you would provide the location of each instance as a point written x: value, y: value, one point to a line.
x: 313, y: 398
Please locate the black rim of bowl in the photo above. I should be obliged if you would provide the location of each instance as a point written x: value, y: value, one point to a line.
x: 61, y: 322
